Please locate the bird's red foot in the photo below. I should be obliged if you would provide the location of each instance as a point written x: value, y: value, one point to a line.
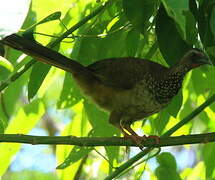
x: 137, y: 139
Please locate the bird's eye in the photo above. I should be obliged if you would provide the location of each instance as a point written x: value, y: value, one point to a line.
x: 194, y: 55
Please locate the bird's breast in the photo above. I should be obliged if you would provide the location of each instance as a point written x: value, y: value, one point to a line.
x: 145, y: 100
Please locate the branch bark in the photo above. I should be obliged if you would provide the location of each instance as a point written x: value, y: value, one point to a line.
x: 106, y: 141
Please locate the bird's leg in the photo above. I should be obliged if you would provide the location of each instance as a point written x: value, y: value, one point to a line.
x: 125, y: 134
x: 139, y: 139
x: 134, y: 136
x: 114, y: 119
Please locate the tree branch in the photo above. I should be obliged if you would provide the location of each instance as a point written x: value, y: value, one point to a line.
x: 138, y: 156
x: 106, y: 141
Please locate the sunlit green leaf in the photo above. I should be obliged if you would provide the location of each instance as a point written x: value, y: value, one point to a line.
x: 78, y: 126
x: 70, y: 93
x: 6, y: 64
x: 23, y: 121
x: 208, y: 156
x: 51, y: 17
x: 37, y: 76
x: 75, y: 155
x: 101, y: 127
x: 199, y: 76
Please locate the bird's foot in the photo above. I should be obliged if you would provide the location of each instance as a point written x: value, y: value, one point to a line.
x: 139, y: 140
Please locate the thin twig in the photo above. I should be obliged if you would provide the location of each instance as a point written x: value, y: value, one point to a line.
x: 137, y: 164
x: 106, y: 159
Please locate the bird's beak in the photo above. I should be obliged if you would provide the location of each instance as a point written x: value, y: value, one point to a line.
x: 205, y: 60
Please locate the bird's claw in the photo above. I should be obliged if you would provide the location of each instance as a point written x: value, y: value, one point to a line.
x: 139, y: 140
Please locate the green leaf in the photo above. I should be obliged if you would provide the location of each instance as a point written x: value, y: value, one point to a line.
x: 2, y: 50
x: 190, y: 28
x: 70, y: 94
x: 30, y: 18
x: 37, y: 76
x: 99, y: 121
x: 75, y: 155
x: 212, y: 20
x: 22, y: 122
x: 139, y: 12
x: 171, y: 45
x: 6, y: 68
x: 151, y: 52
x: 6, y: 64
x: 102, y: 128
x: 39, y: 70
x: 161, y: 121
x: 78, y: 126
x: 193, y: 8
x: 167, y: 160
x: 204, y: 27
x: 132, y: 42
x: 113, y: 155
x: 211, y: 52
x: 13, y: 93
x: 209, y: 158
x: 51, y: 17
x: 167, y: 167
x: 175, y: 9
x: 115, y: 42
x: 175, y: 105
x: 207, y: 77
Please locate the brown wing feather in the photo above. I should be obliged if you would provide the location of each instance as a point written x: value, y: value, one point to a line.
x: 124, y: 72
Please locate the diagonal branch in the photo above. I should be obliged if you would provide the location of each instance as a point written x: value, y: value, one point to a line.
x: 106, y: 141
x: 138, y: 156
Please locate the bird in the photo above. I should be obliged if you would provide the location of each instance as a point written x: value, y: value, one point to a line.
x: 129, y: 88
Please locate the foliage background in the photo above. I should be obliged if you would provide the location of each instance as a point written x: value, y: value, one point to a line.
x: 47, y: 98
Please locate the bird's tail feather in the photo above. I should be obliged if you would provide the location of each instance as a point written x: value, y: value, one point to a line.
x: 43, y: 54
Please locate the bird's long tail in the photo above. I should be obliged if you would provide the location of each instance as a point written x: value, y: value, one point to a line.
x: 44, y: 54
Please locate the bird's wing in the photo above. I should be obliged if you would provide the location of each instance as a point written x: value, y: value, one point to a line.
x: 124, y: 73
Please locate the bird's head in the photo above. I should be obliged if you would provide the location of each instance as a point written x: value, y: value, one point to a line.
x: 194, y: 58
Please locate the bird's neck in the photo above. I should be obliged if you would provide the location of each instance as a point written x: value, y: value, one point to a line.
x: 169, y: 85
x: 179, y: 69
